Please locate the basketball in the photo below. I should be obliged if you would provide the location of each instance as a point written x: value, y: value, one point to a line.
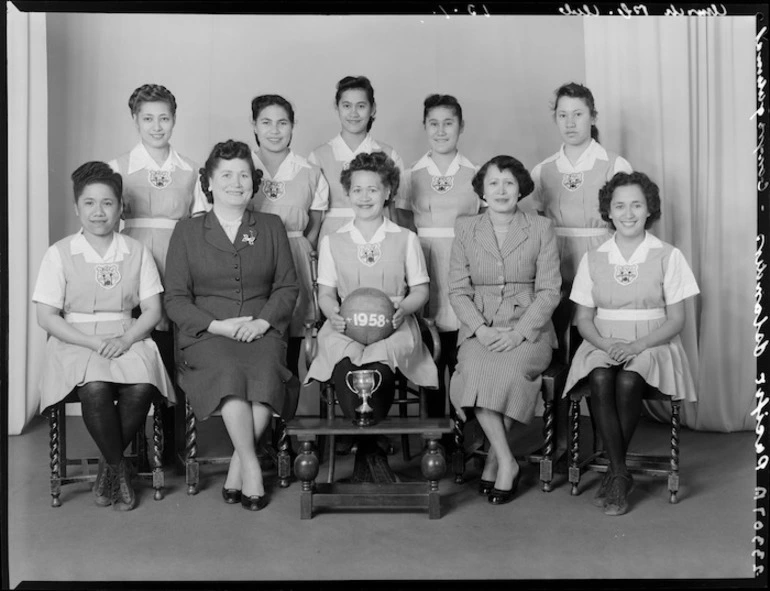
x: 368, y: 314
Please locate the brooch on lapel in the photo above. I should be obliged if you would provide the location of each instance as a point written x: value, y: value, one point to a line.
x: 572, y: 181
x: 442, y: 184
x: 346, y: 165
x: 273, y: 190
x: 626, y: 274
x: 160, y: 179
x: 108, y: 276
x: 250, y: 237
x: 369, y: 254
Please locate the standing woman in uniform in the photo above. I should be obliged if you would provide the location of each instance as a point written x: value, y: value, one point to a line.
x: 294, y: 190
x: 438, y: 189
x: 567, y: 188
x: 159, y: 188
x: 356, y: 109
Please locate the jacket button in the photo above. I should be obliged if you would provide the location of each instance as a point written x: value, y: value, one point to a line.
x: 237, y: 291
x: 237, y: 278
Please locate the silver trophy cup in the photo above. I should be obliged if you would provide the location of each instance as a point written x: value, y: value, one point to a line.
x: 364, y: 384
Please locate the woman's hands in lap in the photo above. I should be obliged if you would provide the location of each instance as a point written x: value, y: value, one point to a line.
x: 499, y: 340
x: 229, y: 326
x: 112, y: 348
x: 252, y: 330
x: 621, y: 351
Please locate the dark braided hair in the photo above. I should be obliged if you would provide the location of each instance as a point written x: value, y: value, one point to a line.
x: 378, y: 162
x: 151, y: 93
x: 229, y: 150
x: 92, y: 173
x: 268, y: 100
x: 575, y: 90
x: 518, y: 170
x: 356, y: 83
x: 621, y: 179
x: 442, y: 100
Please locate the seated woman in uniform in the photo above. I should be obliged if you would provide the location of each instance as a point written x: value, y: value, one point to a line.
x: 86, y: 289
x: 630, y: 292
x: 504, y: 285
x: 231, y: 289
x: 372, y: 251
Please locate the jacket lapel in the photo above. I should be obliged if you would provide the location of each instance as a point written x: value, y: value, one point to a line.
x: 214, y: 234
x: 485, y: 236
x: 247, y: 233
x: 516, y: 235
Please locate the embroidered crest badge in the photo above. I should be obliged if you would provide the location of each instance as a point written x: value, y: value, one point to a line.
x: 345, y: 165
x: 572, y: 181
x: 160, y: 179
x: 442, y: 184
x: 626, y: 274
x: 108, y: 276
x: 369, y: 254
x: 273, y: 190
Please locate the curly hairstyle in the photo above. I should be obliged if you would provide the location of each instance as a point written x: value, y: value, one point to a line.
x: 95, y: 172
x: 151, y: 93
x: 378, y: 162
x: 442, y: 100
x: 356, y: 83
x: 503, y: 162
x: 575, y: 90
x: 229, y: 150
x: 622, y: 179
x: 268, y: 100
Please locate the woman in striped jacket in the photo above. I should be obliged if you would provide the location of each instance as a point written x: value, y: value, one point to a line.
x: 504, y: 284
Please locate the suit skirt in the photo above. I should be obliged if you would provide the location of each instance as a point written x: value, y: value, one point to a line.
x: 218, y: 367
x: 507, y: 382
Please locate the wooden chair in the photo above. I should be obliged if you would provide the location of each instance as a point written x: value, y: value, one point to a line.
x: 637, y: 463
x: 149, y: 466
x: 327, y: 427
x: 186, y: 441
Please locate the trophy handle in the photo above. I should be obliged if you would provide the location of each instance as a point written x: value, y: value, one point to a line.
x: 347, y: 382
x: 379, y: 382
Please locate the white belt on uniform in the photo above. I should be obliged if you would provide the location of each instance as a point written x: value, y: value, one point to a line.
x: 150, y: 223
x: 340, y: 212
x: 74, y: 317
x: 295, y: 234
x: 436, y: 232
x: 630, y: 314
x: 581, y: 232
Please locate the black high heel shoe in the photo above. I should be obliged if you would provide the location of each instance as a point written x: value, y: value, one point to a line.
x: 501, y: 497
x: 231, y: 496
x: 254, y: 503
x: 486, y: 486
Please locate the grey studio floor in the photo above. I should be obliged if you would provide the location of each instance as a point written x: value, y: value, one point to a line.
x: 538, y: 536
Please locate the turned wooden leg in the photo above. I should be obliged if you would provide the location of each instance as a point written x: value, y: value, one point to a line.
x: 546, y: 464
x: 158, y: 443
x: 673, y: 475
x: 284, y: 453
x: 458, y: 457
x: 306, y: 469
x: 574, y: 470
x: 192, y: 467
x: 55, y: 458
x: 433, y: 466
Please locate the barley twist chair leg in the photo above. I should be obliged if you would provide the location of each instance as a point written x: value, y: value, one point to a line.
x: 157, y: 451
x: 191, y: 451
x: 673, y: 475
x: 55, y: 458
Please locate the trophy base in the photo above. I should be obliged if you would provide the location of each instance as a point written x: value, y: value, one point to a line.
x: 364, y: 419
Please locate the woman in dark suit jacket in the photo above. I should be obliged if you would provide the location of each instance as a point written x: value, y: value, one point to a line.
x: 231, y: 289
x: 504, y: 285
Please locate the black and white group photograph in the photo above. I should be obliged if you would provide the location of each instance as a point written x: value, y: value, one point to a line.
x: 370, y: 296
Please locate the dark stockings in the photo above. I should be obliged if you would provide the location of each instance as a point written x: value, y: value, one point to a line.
x: 435, y: 403
x: 292, y: 354
x: 112, y: 426
x: 617, y: 397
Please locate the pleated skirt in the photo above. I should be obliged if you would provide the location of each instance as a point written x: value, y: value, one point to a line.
x: 69, y: 366
x: 303, y: 311
x: 437, y: 252
x: 403, y: 350
x: 507, y: 383
x: 218, y: 367
x: 664, y: 367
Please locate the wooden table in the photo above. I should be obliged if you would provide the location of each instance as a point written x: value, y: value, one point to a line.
x: 369, y: 495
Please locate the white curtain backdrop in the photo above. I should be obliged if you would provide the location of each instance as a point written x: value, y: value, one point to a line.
x: 675, y: 97
x: 27, y: 206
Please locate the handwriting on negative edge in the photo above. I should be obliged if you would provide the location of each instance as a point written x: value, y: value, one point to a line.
x: 641, y: 10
